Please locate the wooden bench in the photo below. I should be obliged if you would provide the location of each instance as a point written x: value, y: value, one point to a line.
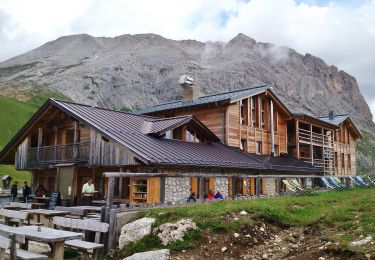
x: 8, y: 246
x: 21, y: 205
x: 19, y: 218
x: 83, y: 225
x: 73, y: 213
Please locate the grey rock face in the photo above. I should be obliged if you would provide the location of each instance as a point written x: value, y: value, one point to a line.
x: 142, y: 70
x: 162, y: 254
x: 134, y: 231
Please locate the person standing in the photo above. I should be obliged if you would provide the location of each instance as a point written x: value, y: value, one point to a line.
x: 14, y: 191
x: 26, y: 192
x: 88, y: 191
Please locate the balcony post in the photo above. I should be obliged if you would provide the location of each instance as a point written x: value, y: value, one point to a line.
x: 75, y: 140
x: 311, y: 145
x: 55, y: 143
x: 297, y: 138
x: 40, y: 138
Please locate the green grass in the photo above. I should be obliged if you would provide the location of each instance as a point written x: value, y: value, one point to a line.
x: 346, y: 214
x: 14, y: 114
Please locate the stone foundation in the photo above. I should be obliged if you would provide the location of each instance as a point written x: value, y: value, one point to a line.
x: 222, y: 185
x: 177, y: 189
x: 271, y: 186
x: 308, y: 182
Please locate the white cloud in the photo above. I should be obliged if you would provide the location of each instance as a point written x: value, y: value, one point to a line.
x: 340, y: 32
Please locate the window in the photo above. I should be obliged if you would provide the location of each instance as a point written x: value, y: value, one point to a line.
x: 342, y: 160
x: 243, y: 145
x: 258, y: 147
x: 254, y: 114
x: 177, y: 133
x: 189, y: 135
x: 242, y: 107
x: 168, y: 135
x: 349, y: 162
x: 277, y: 152
x: 262, y: 113
x: 275, y: 120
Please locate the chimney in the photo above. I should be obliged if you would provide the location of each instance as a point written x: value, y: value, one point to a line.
x: 331, y: 115
x: 190, y: 91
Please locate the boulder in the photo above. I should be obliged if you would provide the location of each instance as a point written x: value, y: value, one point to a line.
x: 169, y: 232
x: 162, y: 254
x: 361, y: 242
x: 134, y: 231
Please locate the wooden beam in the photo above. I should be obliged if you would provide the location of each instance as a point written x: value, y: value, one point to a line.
x: 110, y: 191
x: 297, y: 139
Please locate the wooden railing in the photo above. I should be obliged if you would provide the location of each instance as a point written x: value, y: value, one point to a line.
x: 58, y: 153
x: 324, y: 164
x: 315, y: 138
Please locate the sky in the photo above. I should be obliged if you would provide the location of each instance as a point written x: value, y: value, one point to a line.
x: 342, y: 33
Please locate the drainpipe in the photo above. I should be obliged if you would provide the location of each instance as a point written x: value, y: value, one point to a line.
x: 272, y: 130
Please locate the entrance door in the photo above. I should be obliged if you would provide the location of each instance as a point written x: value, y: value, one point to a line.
x: 65, y: 181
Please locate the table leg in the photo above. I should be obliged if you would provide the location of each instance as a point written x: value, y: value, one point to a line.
x: 58, y: 250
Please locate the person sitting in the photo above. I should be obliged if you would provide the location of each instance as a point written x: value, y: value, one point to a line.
x: 40, y: 191
x: 218, y: 196
x: 191, y: 198
x: 26, y: 192
x: 210, y: 195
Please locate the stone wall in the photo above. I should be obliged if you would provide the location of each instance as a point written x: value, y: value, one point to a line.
x: 177, y: 189
x: 222, y: 185
x: 271, y: 186
x: 308, y: 182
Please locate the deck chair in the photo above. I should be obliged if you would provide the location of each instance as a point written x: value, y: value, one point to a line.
x: 289, y: 186
x: 336, y: 183
x: 329, y: 185
x: 355, y: 181
x: 371, y: 180
x: 301, y: 190
x: 346, y: 186
x: 363, y: 181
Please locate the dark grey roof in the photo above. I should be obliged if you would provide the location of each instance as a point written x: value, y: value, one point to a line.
x: 337, y: 120
x: 230, y: 96
x: 128, y: 130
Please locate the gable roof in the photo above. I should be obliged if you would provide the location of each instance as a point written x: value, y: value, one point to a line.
x: 315, y: 120
x: 229, y: 96
x: 339, y: 119
x: 127, y: 130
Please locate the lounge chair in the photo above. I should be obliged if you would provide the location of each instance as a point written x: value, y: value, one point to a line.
x: 371, y: 180
x: 299, y: 189
x: 355, y: 181
x: 289, y: 186
x: 341, y: 183
x: 360, y: 179
x: 327, y: 183
x: 336, y: 183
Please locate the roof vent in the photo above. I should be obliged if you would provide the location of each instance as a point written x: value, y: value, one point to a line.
x: 190, y: 91
x: 331, y: 115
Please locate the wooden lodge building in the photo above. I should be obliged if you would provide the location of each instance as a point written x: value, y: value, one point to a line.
x: 238, y: 142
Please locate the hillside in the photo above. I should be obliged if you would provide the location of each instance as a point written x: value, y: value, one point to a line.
x: 133, y: 71
x: 14, y: 114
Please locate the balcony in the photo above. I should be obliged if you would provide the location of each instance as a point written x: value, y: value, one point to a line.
x: 53, y: 154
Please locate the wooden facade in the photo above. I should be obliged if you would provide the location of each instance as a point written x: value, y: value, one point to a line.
x: 244, y: 124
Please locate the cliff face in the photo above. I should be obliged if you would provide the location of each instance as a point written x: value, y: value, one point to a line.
x: 135, y: 71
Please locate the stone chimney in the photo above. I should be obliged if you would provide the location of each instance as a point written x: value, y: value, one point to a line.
x: 190, y: 91
x: 331, y: 115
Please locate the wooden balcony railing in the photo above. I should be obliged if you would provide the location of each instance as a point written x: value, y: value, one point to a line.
x: 58, y: 154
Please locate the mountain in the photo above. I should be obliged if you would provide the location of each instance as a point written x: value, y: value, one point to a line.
x: 133, y: 71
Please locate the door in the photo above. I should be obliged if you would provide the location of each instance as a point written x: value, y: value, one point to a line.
x: 65, y: 181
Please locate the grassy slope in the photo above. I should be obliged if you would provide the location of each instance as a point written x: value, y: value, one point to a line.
x: 14, y: 115
x: 348, y: 214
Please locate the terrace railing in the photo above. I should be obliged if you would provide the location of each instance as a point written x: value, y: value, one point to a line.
x: 58, y: 154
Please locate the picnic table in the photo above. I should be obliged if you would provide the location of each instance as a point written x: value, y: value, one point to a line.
x: 39, y: 205
x: 87, y: 209
x: 52, y: 236
x: 47, y: 213
x: 99, y: 202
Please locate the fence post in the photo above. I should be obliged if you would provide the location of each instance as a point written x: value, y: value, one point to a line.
x: 112, y: 227
x: 111, y: 189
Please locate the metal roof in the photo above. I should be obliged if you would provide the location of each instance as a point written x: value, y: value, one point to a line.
x: 337, y: 119
x: 231, y: 96
x: 128, y: 130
